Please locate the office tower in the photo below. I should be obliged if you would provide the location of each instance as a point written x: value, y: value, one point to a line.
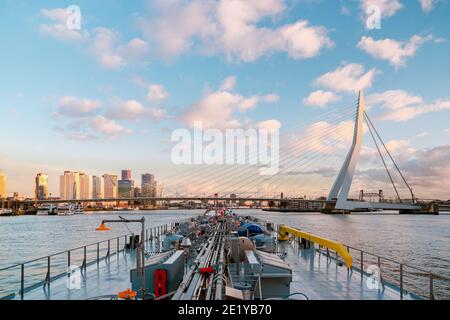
x: 69, y: 186
x: 126, y: 185
x: 2, y: 185
x: 126, y: 188
x: 98, y: 187
x: 110, y: 186
x: 85, y: 186
x: 148, y: 185
x: 41, y: 191
x: 126, y: 174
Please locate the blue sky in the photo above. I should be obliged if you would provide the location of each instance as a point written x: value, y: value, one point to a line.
x: 68, y: 96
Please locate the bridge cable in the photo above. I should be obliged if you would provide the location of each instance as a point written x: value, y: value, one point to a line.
x: 413, y: 197
x: 213, y: 169
x: 287, y: 165
x: 382, y: 159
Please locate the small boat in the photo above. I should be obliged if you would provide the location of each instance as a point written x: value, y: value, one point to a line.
x: 6, y: 212
x: 70, y: 209
x: 47, y: 211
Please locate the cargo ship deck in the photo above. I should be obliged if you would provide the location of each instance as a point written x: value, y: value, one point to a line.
x: 309, y: 272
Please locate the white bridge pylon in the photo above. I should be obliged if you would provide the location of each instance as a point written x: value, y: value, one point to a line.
x: 343, y: 182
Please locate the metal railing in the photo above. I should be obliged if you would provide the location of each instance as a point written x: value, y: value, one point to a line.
x: 57, y: 265
x: 394, y: 273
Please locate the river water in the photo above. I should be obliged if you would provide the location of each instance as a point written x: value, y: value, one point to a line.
x: 422, y: 241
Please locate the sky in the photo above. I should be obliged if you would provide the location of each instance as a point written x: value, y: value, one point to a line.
x: 107, y: 96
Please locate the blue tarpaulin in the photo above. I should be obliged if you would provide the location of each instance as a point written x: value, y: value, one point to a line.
x: 252, y: 228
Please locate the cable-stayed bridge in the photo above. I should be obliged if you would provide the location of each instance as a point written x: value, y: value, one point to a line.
x: 307, y: 153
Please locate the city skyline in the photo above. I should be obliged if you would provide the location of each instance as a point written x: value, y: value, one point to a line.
x: 135, y: 72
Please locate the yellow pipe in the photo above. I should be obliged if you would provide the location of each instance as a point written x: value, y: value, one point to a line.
x: 284, y: 231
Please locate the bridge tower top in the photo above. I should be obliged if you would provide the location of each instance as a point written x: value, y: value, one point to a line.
x: 341, y: 186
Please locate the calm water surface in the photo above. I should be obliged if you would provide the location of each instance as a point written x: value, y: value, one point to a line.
x: 423, y: 241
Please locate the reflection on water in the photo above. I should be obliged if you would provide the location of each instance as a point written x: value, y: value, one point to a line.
x: 423, y: 241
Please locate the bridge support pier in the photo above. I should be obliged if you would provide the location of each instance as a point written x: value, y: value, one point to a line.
x: 431, y: 208
x: 330, y: 208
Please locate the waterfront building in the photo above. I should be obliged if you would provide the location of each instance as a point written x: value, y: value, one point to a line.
x: 126, y: 174
x: 2, y: 185
x: 98, y: 187
x: 41, y: 190
x: 126, y: 188
x: 110, y: 186
x: 85, y: 186
x: 126, y: 185
x: 69, y: 186
x: 148, y: 185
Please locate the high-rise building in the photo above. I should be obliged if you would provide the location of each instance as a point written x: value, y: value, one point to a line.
x: 2, y: 185
x: 41, y: 186
x: 148, y: 185
x: 85, y: 186
x: 110, y: 186
x: 98, y: 187
x: 69, y: 186
x: 126, y: 188
x: 126, y: 174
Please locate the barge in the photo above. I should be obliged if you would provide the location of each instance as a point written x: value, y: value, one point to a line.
x: 216, y: 256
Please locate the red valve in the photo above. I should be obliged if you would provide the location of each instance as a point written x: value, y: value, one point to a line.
x: 206, y: 270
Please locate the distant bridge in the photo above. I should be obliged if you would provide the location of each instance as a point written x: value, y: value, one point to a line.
x: 338, y: 198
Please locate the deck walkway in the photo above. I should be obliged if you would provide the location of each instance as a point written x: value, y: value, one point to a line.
x: 321, y: 278
x: 315, y: 275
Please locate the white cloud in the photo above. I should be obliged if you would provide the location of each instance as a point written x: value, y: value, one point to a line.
x: 134, y: 50
x: 426, y: 170
x: 396, y: 52
x: 231, y: 28
x: 321, y: 98
x: 219, y: 109
x: 104, y: 48
x: 108, y: 127
x: 270, y: 124
x: 393, y: 99
x: 427, y: 5
x: 215, y: 110
x: 322, y: 137
x: 229, y: 83
x: 403, y: 106
x: 58, y: 27
x: 174, y: 31
x: 133, y: 110
x: 408, y: 113
x: 102, y: 43
x: 156, y: 92
x: 388, y: 7
x: 447, y: 130
x: 271, y: 98
x: 77, y: 107
x: 350, y: 78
